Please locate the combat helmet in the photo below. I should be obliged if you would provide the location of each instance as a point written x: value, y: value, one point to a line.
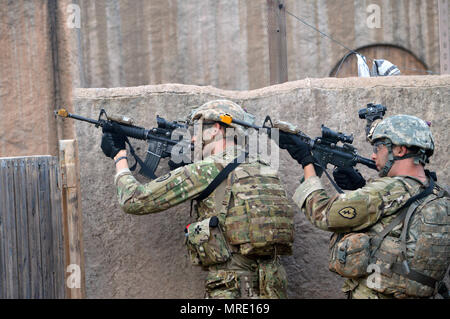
x: 404, y: 130
x: 212, y: 110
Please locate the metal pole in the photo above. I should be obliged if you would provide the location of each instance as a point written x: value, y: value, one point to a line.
x: 276, y: 28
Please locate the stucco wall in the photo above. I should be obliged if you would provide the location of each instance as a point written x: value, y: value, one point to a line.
x: 36, y: 67
x: 138, y: 42
x: 144, y: 256
x: 225, y: 44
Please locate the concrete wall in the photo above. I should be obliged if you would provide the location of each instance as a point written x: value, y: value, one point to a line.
x: 224, y: 43
x: 144, y: 256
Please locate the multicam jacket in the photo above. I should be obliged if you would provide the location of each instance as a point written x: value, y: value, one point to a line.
x: 373, y: 207
x: 175, y: 187
x: 256, y: 184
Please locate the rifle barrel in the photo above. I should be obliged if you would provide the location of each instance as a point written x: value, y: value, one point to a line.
x: 84, y: 119
x: 365, y: 161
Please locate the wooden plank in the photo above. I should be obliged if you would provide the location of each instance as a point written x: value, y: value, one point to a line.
x: 58, y: 242
x: 46, y: 234
x: 444, y: 42
x: 72, y: 217
x: 12, y: 280
x: 22, y: 229
x: 32, y: 171
x: 276, y: 29
x: 3, y: 251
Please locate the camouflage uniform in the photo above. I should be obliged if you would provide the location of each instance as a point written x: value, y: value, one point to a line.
x: 233, y: 272
x: 370, y: 209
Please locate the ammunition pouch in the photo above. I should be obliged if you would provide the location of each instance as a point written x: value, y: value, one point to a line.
x: 259, y: 217
x: 349, y: 254
x: 261, y: 228
x: 206, y: 244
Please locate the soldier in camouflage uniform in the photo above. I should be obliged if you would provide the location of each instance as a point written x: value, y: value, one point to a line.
x: 369, y: 223
x: 254, y: 216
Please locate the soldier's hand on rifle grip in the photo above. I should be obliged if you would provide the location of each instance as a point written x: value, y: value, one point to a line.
x: 298, y: 149
x: 112, y: 143
x: 173, y: 165
x: 348, y: 178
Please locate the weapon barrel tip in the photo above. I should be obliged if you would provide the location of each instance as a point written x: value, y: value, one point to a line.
x: 62, y: 113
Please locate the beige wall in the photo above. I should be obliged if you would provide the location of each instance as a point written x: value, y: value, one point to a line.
x: 26, y: 79
x: 138, y: 42
x: 144, y: 256
x: 224, y: 43
x: 36, y: 68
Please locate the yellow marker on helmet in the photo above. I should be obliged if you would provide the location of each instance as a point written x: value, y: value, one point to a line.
x: 226, y: 118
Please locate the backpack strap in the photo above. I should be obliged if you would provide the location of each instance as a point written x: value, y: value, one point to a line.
x: 406, y: 211
x: 403, y: 267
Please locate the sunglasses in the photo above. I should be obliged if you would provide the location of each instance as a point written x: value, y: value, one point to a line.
x: 376, y: 146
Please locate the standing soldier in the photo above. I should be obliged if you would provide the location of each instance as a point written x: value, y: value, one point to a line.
x: 244, y: 218
x: 397, y: 226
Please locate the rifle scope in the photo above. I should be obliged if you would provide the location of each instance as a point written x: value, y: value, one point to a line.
x: 163, y: 123
x: 336, y: 136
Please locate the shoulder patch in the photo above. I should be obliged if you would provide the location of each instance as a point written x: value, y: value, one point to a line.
x: 347, y: 212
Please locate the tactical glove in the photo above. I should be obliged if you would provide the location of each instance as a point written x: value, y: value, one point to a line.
x: 298, y: 149
x: 173, y: 165
x: 112, y: 143
x: 348, y: 178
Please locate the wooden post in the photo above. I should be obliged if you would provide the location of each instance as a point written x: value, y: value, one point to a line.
x: 276, y: 28
x: 73, y: 225
x: 444, y: 47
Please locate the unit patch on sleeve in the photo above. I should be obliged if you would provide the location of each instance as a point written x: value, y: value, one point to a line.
x: 347, y: 212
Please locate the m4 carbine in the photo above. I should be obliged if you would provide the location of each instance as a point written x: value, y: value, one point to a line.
x: 325, y: 149
x: 160, y: 139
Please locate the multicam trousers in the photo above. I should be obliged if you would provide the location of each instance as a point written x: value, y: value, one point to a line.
x: 246, y: 278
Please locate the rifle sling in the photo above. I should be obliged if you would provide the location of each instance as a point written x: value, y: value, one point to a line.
x: 223, y: 174
x: 144, y: 169
x: 218, y: 179
x: 398, y: 268
x: 317, y: 163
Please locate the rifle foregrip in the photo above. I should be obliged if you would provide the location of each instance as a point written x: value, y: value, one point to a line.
x: 130, y: 131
